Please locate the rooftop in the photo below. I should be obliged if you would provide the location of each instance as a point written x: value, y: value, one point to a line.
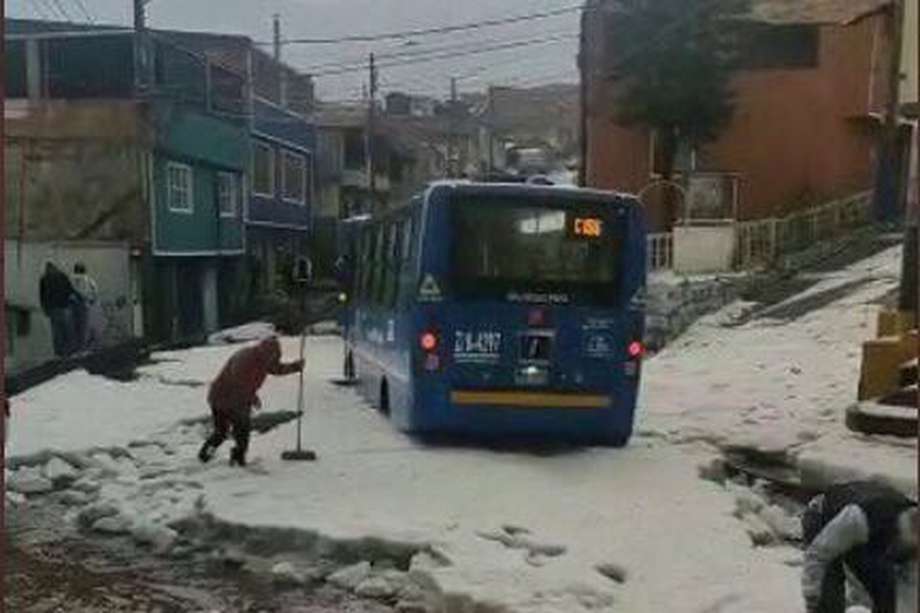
x: 815, y: 11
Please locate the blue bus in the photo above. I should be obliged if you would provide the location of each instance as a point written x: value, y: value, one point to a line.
x: 501, y: 310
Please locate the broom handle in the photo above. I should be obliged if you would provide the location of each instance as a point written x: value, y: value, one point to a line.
x: 300, y: 395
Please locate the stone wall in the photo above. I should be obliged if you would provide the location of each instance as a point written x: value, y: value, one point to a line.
x: 675, y: 302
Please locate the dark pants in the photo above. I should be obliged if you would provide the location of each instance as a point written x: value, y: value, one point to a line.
x: 80, y: 313
x: 876, y: 574
x: 61, y: 332
x: 238, y: 423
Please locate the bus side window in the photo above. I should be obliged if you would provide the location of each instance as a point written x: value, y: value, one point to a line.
x: 368, y: 264
x: 379, y: 265
x: 404, y: 289
x: 394, y: 264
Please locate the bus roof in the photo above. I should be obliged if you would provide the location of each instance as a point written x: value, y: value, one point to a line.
x: 523, y: 189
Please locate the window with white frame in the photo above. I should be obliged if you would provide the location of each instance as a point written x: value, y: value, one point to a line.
x: 179, y: 188
x: 228, y: 194
x: 294, y: 177
x: 263, y: 170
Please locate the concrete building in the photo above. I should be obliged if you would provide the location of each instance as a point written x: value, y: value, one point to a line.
x: 810, y: 99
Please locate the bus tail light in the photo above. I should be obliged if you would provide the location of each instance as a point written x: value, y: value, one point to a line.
x: 428, y: 341
x: 635, y: 350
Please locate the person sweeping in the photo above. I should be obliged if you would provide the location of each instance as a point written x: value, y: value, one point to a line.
x: 234, y: 394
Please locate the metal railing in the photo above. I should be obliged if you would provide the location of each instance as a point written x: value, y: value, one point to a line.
x: 759, y: 243
x: 660, y: 253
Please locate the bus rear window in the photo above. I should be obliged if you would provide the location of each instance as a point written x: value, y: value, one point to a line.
x: 502, y: 247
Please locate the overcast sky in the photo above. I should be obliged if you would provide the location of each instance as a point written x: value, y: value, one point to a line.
x: 548, y: 61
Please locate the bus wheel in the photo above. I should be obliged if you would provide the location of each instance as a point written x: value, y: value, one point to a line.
x: 384, y: 398
x: 348, y: 368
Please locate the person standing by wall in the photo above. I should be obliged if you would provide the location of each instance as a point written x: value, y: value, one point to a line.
x: 82, y: 309
x: 57, y: 295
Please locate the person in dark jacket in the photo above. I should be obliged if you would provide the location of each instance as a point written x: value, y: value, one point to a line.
x: 57, y: 296
x: 867, y: 528
x: 233, y: 395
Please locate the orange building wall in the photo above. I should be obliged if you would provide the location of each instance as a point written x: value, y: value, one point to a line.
x: 797, y: 136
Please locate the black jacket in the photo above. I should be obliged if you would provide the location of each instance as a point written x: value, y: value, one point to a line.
x: 56, y: 291
x: 881, y: 504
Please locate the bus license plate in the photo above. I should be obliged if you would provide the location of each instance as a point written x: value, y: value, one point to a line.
x: 536, y: 348
x: 475, y: 346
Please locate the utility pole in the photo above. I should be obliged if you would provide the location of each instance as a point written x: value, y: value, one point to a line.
x: 369, y: 136
x: 282, y: 73
x: 491, y: 127
x: 583, y: 69
x: 140, y: 15
x: 887, y: 189
x: 452, y: 136
x: 140, y: 47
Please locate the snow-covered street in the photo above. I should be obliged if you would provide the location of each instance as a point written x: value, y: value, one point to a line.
x: 463, y: 528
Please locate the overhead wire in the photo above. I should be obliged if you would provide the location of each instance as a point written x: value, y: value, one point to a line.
x: 440, y: 57
x: 61, y: 11
x: 81, y: 5
x: 458, y: 47
x: 40, y: 9
x: 487, y: 23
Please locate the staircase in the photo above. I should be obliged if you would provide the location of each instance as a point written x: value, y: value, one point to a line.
x: 888, y: 385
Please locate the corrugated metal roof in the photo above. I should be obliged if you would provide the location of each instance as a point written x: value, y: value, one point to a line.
x: 814, y: 11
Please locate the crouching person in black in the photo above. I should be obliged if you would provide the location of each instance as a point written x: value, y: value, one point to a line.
x: 867, y: 528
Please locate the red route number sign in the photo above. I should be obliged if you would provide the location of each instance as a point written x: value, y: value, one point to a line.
x: 588, y: 227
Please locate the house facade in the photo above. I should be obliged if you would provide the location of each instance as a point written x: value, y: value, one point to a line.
x: 278, y: 223
x: 280, y: 194
x: 810, y: 96
x: 152, y: 158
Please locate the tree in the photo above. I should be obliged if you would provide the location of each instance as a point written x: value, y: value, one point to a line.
x: 674, y: 61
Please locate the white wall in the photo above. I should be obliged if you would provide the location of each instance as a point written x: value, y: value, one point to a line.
x: 703, y: 249
x: 107, y: 263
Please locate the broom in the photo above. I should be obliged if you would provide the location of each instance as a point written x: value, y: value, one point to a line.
x: 300, y: 454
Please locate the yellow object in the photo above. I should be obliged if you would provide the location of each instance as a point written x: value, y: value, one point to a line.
x: 894, y: 323
x: 883, y: 357
x: 531, y: 400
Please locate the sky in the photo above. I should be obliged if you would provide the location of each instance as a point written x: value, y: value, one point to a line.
x: 548, y: 56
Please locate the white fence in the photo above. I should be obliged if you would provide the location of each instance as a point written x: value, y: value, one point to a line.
x: 759, y: 243
x: 660, y: 251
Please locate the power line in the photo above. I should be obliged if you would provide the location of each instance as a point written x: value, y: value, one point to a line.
x: 61, y: 11
x: 82, y: 7
x: 488, y: 23
x: 40, y: 9
x: 445, y: 56
x: 467, y: 46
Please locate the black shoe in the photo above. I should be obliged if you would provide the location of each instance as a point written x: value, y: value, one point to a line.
x: 205, y: 453
x: 237, y: 458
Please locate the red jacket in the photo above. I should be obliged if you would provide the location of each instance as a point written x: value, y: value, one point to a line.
x: 235, y: 387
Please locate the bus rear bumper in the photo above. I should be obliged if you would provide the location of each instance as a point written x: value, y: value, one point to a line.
x: 550, y: 417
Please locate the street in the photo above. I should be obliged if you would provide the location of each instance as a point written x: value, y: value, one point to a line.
x: 442, y: 527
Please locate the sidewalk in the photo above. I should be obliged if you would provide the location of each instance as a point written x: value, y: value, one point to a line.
x: 778, y: 386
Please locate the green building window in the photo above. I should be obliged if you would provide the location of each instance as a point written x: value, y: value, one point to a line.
x: 180, y: 198
x: 294, y: 177
x: 263, y: 171
x: 228, y: 194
